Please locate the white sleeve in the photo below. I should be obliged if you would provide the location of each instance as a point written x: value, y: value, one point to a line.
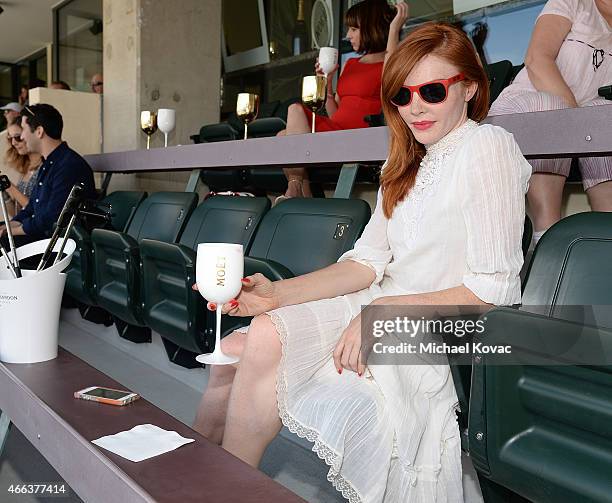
x: 372, y: 248
x: 493, y: 187
x: 563, y: 8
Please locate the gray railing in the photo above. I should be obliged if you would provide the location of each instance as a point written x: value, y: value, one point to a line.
x: 581, y: 132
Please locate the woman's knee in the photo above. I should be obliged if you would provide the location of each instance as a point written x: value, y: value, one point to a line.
x: 233, y: 344
x: 262, y: 340
x: 295, y: 111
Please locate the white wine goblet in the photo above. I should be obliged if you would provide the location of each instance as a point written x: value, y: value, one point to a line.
x: 219, y: 272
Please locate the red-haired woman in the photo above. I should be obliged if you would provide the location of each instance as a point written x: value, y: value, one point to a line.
x: 373, y: 30
x: 446, y: 231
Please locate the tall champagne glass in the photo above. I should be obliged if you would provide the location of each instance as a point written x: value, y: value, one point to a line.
x: 166, y: 121
x: 219, y: 271
x: 314, y: 90
x: 247, y: 108
x: 148, y: 124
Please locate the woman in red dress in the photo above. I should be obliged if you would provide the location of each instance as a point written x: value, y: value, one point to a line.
x: 374, y: 31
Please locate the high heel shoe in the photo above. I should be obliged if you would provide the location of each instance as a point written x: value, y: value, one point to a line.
x: 299, y: 191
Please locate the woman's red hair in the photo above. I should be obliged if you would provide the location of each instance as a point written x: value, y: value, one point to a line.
x: 405, y: 153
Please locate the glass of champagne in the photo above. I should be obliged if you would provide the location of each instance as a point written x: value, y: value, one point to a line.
x: 314, y: 92
x: 166, y: 121
x: 148, y: 124
x: 247, y: 108
x: 219, y: 272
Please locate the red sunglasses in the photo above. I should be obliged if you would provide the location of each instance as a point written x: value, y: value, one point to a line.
x: 433, y: 92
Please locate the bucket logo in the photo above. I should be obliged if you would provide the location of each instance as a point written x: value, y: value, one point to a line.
x: 220, y: 275
x: 7, y: 300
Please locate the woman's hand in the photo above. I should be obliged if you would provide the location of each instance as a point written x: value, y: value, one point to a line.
x: 400, y: 17
x: 319, y: 71
x: 257, y: 296
x: 348, y: 353
x: 12, y: 192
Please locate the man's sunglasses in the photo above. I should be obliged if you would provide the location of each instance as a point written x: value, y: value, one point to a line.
x: 433, y: 92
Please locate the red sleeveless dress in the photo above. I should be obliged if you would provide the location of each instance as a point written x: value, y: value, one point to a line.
x: 359, y: 92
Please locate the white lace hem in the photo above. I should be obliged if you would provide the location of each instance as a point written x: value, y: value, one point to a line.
x: 323, y: 451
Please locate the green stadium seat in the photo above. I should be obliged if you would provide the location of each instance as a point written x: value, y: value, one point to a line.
x: 79, y: 275
x: 299, y: 236
x: 162, y: 216
x: 543, y: 433
x: 170, y: 307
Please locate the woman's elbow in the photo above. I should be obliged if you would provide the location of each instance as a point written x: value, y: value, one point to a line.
x: 535, y: 60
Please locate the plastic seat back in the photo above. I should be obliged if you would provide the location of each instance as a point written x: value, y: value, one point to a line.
x: 122, y: 205
x: 162, y: 216
x: 308, y: 234
x: 225, y: 219
x: 545, y: 431
x: 218, y: 132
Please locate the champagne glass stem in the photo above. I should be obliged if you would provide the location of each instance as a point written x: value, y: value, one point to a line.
x: 148, y: 141
x: 218, y: 333
x: 246, y: 127
x: 314, y: 115
x: 165, y: 139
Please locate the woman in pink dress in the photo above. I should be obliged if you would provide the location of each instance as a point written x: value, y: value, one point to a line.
x: 568, y: 60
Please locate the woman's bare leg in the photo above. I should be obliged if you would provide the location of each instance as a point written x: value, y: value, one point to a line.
x: 252, y: 415
x: 600, y: 196
x: 210, y: 417
x: 544, y: 198
x: 298, y: 184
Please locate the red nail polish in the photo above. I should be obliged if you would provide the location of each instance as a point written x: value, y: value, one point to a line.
x: 246, y: 280
x: 234, y: 303
x: 339, y: 371
x: 359, y: 374
x: 213, y: 307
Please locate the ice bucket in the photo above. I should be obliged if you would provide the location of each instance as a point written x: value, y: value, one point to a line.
x: 30, y: 306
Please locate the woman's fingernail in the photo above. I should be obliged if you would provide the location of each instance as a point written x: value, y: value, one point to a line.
x: 233, y: 303
x: 359, y: 374
x: 213, y: 306
x: 246, y: 280
x: 340, y: 371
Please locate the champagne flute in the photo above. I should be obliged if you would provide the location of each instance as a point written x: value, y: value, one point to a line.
x: 314, y: 92
x: 148, y: 124
x: 219, y: 271
x: 166, y: 121
x: 247, y: 108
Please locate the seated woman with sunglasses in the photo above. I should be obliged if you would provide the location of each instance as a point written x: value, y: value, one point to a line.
x: 26, y: 164
x: 446, y: 231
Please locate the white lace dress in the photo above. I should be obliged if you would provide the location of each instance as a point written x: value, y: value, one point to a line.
x: 392, y: 435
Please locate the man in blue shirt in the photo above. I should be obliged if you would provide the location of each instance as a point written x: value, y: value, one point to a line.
x: 62, y: 168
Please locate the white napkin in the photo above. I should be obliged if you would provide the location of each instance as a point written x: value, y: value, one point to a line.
x: 142, y: 442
